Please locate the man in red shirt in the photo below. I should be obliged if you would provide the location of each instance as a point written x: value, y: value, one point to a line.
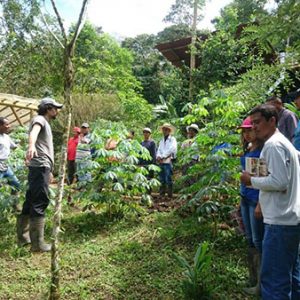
x: 72, y: 145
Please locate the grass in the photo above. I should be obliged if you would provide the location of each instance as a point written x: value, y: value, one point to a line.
x: 128, y: 259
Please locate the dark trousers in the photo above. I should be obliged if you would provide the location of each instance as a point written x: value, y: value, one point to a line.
x: 71, y: 171
x: 37, y: 199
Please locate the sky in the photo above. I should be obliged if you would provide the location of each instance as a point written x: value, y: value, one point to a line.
x: 132, y: 17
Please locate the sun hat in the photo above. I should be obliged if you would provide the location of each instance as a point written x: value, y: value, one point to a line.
x: 246, y: 123
x: 167, y: 125
x: 47, y: 100
x: 147, y: 129
x: 193, y: 126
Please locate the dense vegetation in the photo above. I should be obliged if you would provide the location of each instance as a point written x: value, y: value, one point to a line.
x: 115, y: 245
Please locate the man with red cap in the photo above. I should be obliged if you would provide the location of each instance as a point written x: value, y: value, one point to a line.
x: 72, y: 145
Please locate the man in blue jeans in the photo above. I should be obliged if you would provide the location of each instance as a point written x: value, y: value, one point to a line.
x: 280, y: 203
x: 6, y: 144
x: 166, y: 152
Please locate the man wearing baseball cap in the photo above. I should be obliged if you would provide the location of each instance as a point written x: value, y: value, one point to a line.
x: 72, y: 145
x: 40, y: 160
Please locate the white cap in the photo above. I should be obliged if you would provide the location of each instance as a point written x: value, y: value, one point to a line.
x: 193, y: 126
x: 147, y: 129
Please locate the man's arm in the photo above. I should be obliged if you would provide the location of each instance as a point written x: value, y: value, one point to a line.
x: 32, y: 140
x: 278, y: 169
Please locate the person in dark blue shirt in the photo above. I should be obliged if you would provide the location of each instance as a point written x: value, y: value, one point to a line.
x: 149, y: 144
x: 250, y: 208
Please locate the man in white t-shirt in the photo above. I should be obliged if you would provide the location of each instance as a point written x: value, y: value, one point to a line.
x: 279, y: 199
x: 6, y: 144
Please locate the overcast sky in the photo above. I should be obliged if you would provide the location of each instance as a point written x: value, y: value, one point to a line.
x: 131, y: 17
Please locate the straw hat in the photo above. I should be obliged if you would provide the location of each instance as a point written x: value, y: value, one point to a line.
x: 193, y: 126
x: 169, y: 126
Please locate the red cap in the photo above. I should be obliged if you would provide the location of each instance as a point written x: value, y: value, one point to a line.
x: 77, y: 129
x: 246, y: 123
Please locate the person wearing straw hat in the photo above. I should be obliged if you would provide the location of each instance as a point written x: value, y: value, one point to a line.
x: 192, y: 132
x: 166, y: 152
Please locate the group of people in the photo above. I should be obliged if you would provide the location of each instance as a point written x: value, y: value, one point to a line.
x: 270, y: 200
x: 270, y: 204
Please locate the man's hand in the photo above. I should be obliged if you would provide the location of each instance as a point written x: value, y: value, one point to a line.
x: 246, y: 178
x: 31, y: 153
x: 257, y: 212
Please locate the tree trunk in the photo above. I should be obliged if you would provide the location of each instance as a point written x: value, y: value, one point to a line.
x: 69, y: 73
x: 193, y: 50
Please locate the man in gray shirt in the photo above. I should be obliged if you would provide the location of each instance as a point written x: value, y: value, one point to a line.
x: 40, y: 160
x: 287, y: 120
x: 280, y: 204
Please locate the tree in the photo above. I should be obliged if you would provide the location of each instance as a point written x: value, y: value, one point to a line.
x: 30, y: 59
x: 68, y: 44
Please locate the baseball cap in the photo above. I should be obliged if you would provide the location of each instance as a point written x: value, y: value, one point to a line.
x: 147, y: 129
x: 85, y: 125
x: 246, y: 123
x: 47, y: 100
x: 77, y: 129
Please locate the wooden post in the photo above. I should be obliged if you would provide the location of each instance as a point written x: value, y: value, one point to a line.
x: 16, y: 115
x: 193, y: 50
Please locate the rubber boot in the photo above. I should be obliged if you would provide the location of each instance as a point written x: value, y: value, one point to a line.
x: 251, y: 266
x: 38, y: 244
x: 170, y: 191
x: 162, y: 190
x: 255, y: 290
x: 23, y: 230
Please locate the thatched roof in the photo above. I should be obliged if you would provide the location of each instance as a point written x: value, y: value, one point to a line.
x: 18, y: 110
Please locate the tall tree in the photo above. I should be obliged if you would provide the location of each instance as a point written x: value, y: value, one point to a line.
x: 68, y: 44
x: 187, y: 12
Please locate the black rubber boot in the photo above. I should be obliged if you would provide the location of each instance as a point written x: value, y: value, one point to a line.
x: 170, y: 191
x: 38, y: 244
x: 23, y: 230
x: 162, y: 190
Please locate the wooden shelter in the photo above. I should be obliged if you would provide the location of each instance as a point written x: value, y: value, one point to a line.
x: 18, y: 110
x: 178, y: 52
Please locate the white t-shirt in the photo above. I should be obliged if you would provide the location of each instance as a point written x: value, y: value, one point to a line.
x: 6, y: 144
x: 279, y: 194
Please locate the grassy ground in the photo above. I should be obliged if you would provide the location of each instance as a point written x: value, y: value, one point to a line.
x: 129, y: 259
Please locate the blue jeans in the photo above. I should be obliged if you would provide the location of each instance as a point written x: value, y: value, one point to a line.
x: 11, y: 178
x: 280, y: 269
x: 254, y: 228
x: 165, y: 175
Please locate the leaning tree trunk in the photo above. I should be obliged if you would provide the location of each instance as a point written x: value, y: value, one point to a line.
x: 69, y: 46
x: 55, y: 284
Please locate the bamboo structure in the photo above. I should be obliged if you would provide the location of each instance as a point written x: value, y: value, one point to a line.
x: 16, y: 109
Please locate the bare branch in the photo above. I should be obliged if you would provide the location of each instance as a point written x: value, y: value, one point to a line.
x: 51, y: 32
x: 80, y: 23
x: 59, y: 21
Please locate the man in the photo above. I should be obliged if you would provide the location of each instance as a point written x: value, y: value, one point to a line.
x: 149, y: 144
x: 280, y: 204
x: 6, y: 144
x: 192, y: 132
x: 296, y: 140
x: 40, y: 160
x: 166, y: 152
x: 287, y: 120
x: 72, y: 146
x: 83, y: 153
